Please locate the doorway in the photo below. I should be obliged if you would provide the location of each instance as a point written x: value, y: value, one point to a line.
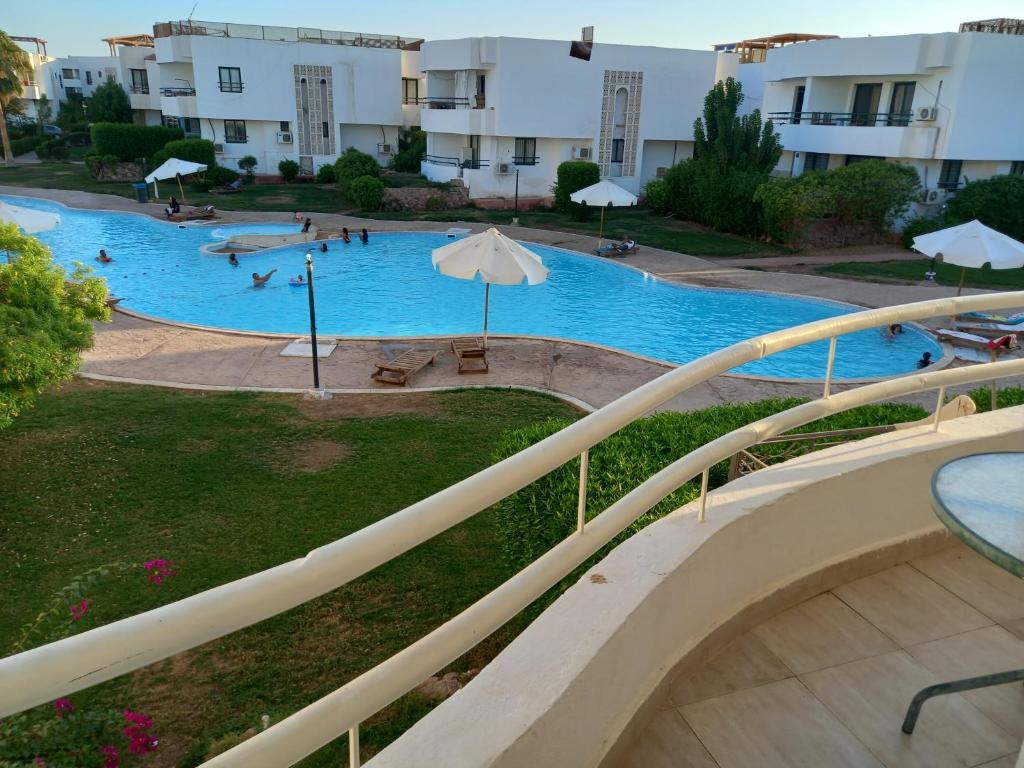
x: 865, y: 103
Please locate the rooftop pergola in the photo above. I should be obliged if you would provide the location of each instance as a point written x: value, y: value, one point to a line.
x: 38, y: 41
x: 129, y: 41
x: 756, y: 48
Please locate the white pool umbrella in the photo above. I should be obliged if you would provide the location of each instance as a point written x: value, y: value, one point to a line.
x: 496, y: 258
x: 27, y: 219
x: 972, y: 245
x: 603, y: 194
x: 173, y: 169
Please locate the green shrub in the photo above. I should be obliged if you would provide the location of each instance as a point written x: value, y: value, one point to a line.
x: 54, y: 149
x: 789, y: 203
x: 193, y: 150
x: 24, y: 144
x: 77, y: 139
x: 288, y: 169
x: 248, y: 164
x: 534, y: 519
x: 93, y: 162
x: 411, y: 148
x: 922, y: 225
x: 680, y: 183
x: 326, y: 175
x: 129, y: 141
x: 572, y: 176
x: 110, y: 160
x: 367, y: 192
x: 1006, y: 397
x: 218, y: 175
x: 201, y: 185
x: 997, y: 202
x: 109, y: 103
x: 435, y: 203
x: 656, y: 194
x: 353, y: 165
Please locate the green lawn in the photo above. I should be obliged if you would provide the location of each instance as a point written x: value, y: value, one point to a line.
x: 913, y: 271
x: 645, y: 227
x: 229, y: 484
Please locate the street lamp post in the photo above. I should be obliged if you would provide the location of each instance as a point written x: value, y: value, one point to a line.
x: 312, y: 319
x: 515, y: 213
x: 930, y: 274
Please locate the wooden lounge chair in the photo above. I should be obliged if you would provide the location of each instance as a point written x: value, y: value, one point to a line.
x: 407, y: 364
x: 471, y: 354
x: 973, y: 341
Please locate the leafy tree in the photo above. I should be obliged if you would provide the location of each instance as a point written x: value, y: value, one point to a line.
x: 997, y: 202
x: 44, y: 320
x: 412, y: 145
x: 109, y: 104
x: 732, y: 140
x: 248, y: 164
x: 367, y: 192
x: 572, y: 176
x: 44, y: 110
x: 288, y: 169
x: 15, y: 66
x: 353, y: 165
x: 71, y: 114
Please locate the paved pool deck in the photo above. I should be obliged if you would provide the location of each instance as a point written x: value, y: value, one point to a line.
x: 138, y: 350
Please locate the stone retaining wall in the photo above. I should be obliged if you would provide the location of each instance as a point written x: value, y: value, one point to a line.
x: 418, y: 198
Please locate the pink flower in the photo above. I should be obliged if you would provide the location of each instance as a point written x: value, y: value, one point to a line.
x: 161, y: 569
x: 63, y: 706
x: 39, y: 763
x: 111, y: 757
x: 79, y: 610
x: 139, y: 742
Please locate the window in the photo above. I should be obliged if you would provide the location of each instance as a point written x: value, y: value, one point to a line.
x: 234, y: 132
x: 325, y: 130
x: 70, y: 74
x: 169, y: 120
x: 798, y: 103
x: 901, y: 105
x: 526, y: 152
x: 191, y: 127
x: 618, y: 149
x: 286, y: 127
x: 851, y: 159
x: 230, y: 79
x: 140, y: 80
x: 73, y: 91
x: 88, y: 77
x: 865, y: 103
x: 1017, y: 167
x: 949, y: 176
x: 816, y: 161
x: 410, y: 90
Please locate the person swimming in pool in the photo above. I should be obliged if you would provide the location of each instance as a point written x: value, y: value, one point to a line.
x: 103, y: 258
x: 892, y: 331
x: 364, y: 236
x: 259, y: 282
x: 298, y: 280
x: 233, y: 260
x: 345, y: 237
x: 925, y: 361
x: 323, y: 246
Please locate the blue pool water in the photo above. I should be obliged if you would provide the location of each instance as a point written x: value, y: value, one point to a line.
x: 388, y: 288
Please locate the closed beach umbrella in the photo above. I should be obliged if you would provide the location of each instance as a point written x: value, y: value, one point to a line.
x: 972, y: 245
x: 27, y: 219
x: 603, y: 194
x: 496, y: 258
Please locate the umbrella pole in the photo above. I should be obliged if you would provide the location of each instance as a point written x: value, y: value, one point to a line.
x: 487, y: 297
x: 600, y: 231
x: 181, y: 189
x: 963, y: 274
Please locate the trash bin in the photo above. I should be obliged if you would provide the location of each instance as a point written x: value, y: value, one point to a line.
x: 141, y: 191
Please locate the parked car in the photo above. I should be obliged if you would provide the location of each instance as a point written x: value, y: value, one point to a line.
x: 52, y: 130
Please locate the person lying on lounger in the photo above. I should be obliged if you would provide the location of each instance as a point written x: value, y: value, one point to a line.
x: 259, y: 282
x: 627, y: 245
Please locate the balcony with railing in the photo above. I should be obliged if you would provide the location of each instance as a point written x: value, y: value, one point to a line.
x: 452, y: 114
x: 179, y: 101
x: 891, y: 134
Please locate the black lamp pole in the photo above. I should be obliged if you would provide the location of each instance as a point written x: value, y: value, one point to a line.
x: 312, y: 319
x: 515, y: 214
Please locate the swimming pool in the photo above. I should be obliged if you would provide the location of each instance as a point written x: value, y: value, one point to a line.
x: 388, y: 288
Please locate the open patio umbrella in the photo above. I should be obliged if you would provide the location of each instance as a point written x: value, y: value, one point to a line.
x: 27, y: 219
x: 173, y: 169
x: 603, y: 194
x: 496, y: 258
x: 972, y: 245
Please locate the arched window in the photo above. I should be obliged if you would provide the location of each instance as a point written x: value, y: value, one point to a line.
x: 619, y: 131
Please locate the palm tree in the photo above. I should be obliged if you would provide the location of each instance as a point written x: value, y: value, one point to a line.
x: 15, y: 66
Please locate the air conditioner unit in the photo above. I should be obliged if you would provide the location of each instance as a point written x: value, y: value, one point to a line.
x: 503, y: 169
x: 218, y: 148
x: 583, y: 153
x: 385, y: 149
x: 926, y: 113
x: 659, y: 173
x: 284, y: 138
x: 932, y: 196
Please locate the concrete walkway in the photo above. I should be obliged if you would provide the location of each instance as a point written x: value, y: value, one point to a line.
x: 143, y: 351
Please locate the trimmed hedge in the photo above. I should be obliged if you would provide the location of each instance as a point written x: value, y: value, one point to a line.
x: 193, y: 150
x: 23, y: 145
x: 534, y: 519
x: 54, y: 149
x: 218, y: 175
x: 574, y: 175
x: 130, y: 142
x: 288, y: 169
x: 367, y: 192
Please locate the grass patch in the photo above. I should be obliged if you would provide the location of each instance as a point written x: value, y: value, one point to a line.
x: 913, y: 272
x: 647, y: 228
x: 226, y: 485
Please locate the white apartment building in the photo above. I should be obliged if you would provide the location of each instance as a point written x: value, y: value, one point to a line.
x: 500, y: 111
x: 947, y: 103
x: 282, y: 93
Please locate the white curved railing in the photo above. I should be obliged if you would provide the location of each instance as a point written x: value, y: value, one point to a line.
x: 42, y: 674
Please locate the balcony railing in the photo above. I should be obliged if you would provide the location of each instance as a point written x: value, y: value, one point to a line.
x: 280, y: 34
x: 441, y: 102
x: 177, y: 91
x: 140, y: 89
x: 868, y: 119
x: 230, y: 87
x: 525, y: 160
x: 236, y: 139
x: 456, y: 162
